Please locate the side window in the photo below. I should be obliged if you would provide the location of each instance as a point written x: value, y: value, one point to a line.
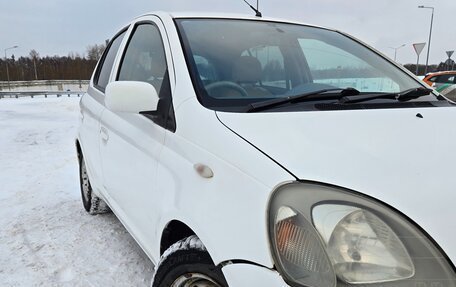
x: 144, y: 59
x: 104, y: 70
x: 445, y: 79
x: 272, y: 65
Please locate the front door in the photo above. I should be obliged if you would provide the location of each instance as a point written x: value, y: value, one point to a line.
x: 131, y: 143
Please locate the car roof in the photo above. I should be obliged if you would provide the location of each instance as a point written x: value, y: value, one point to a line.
x: 212, y: 15
x: 440, y: 73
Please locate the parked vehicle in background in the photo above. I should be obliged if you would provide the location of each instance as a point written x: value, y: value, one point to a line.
x: 438, y: 79
x: 448, y: 91
x: 247, y: 151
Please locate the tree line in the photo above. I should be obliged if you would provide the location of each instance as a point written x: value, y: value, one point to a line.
x: 34, y: 67
x: 77, y: 67
x: 448, y: 65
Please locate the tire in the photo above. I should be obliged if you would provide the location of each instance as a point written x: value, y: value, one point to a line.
x: 92, y: 203
x: 187, y: 264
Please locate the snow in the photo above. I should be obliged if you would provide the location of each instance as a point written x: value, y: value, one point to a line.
x: 191, y: 242
x: 46, y: 237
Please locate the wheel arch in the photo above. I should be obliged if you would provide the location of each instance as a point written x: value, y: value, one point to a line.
x: 174, y: 231
x: 78, y: 149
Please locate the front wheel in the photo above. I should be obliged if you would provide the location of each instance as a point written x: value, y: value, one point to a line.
x: 187, y: 264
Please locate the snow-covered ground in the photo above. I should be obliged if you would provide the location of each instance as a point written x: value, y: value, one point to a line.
x: 46, y: 238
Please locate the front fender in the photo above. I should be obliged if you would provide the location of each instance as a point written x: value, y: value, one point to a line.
x: 228, y: 212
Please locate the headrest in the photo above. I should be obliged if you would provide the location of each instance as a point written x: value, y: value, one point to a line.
x: 246, y: 69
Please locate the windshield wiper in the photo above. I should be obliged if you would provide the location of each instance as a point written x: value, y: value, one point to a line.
x: 403, y: 96
x: 310, y: 96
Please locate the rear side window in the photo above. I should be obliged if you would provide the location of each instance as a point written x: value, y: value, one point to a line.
x: 104, y: 70
x: 445, y: 79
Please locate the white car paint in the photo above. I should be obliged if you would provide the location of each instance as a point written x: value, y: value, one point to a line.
x: 89, y: 129
x: 392, y: 155
x: 247, y: 275
x: 148, y: 175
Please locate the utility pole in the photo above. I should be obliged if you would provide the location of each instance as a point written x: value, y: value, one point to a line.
x: 430, y: 36
x: 6, y: 61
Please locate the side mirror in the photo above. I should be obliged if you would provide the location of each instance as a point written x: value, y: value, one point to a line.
x: 131, y: 97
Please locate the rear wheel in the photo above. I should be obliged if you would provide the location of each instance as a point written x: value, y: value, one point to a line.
x: 187, y: 264
x: 92, y: 203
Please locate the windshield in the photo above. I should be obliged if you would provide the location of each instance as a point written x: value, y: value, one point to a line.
x: 235, y: 63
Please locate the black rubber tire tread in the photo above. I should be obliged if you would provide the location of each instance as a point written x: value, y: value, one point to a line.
x: 94, y: 204
x: 185, y: 257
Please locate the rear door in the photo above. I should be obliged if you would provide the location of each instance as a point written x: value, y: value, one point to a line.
x: 131, y: 143
x: 92, y: 106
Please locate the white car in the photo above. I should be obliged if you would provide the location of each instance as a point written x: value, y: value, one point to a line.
x: 245, y: 151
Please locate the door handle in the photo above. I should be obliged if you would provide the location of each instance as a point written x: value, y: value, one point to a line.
x: 104, y: 134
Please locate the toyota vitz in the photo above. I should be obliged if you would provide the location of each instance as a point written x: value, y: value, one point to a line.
x: 245, y: 151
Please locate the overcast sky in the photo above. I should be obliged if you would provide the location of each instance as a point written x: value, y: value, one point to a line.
x: 58, y: 27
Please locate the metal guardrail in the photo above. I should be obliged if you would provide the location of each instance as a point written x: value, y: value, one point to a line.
x: 28, y: 84
x: 32, y: 94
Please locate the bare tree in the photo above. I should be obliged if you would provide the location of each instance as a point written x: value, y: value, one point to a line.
x: 74, y: 55
x: 94, y: 52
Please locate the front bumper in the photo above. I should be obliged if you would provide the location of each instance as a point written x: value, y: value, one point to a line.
x: 247, y: 275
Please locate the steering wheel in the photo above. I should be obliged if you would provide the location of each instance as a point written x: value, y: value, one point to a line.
x: 212, y: 87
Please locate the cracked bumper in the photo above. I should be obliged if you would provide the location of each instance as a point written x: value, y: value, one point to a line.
x: 246, y: 275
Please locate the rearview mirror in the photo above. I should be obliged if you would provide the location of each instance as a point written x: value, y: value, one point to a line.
x: 131, y: 97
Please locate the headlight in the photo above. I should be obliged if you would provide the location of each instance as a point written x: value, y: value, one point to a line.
x: 362, y: 247
x: 326, y: 237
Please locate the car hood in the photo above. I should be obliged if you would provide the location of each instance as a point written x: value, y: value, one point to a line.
x: 403, y: 157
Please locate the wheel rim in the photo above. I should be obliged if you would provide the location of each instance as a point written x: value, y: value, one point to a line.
x: 194, y: 280
x: 85, y: 182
